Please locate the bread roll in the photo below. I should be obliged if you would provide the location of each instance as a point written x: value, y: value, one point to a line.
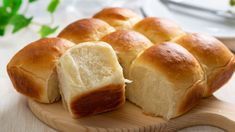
x: 215, y: 58
x: 119, y: 18
x: 167, y: 81
x: 158, y: 30
x: 86, y: 30
x: 127, y: 45
x: 32, y: 70
x: 91, y: 79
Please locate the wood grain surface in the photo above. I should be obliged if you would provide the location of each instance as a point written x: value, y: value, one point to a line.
x: 210, y: 111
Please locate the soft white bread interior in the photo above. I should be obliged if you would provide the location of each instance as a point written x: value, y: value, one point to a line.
x: 127, y: 45
x: 158, y: 30
x: 32, y: 70
x: 119, y: 18
x: 167, y: 81
x: 84, y: 30
x: 91, y: 79
x: 215, y: 58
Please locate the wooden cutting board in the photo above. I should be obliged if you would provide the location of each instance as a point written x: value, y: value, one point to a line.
x: 210, y: 111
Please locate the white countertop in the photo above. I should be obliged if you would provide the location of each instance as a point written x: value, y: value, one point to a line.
x: 14, y: 112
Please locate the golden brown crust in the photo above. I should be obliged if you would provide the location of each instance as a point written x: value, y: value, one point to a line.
x: 127, y: 45
x: 115, y: 13
x: 124, y: 41
x: 98, y: 101
x: 214, y: 57
x: 158, y: 30
x: 219, y: 78
x: 40, y: 55
x: 25, y: 83
x: 174, y: 61
x: 191, y: 98
x: 34, y: 64
x: 207, y: 49
x: 86, y: 30
x: 118, y: 17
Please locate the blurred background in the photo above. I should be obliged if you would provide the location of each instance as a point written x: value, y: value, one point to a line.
x: 214, y: 17
x: 34, y: 19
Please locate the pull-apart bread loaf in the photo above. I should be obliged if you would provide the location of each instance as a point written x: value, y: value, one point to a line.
x: 84, y: 30
x: 170, y: 70
x: 215, y: 58
x: 32, y: 70
x: 127, y: 45
x: 120, y: 18
x: 167, y: 80
x: 91, y: 79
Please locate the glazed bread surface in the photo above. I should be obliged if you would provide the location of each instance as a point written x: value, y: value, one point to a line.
x: 127, y: 45
x: 215, y: 58
x: 120, y: 18
x: 91, y: 79
x: 32, y: 69
x: 84, y: 30
x: 158, y: 30
x: 167, y: 81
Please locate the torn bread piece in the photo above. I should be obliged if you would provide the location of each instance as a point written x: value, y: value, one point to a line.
x: 91, y: 79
